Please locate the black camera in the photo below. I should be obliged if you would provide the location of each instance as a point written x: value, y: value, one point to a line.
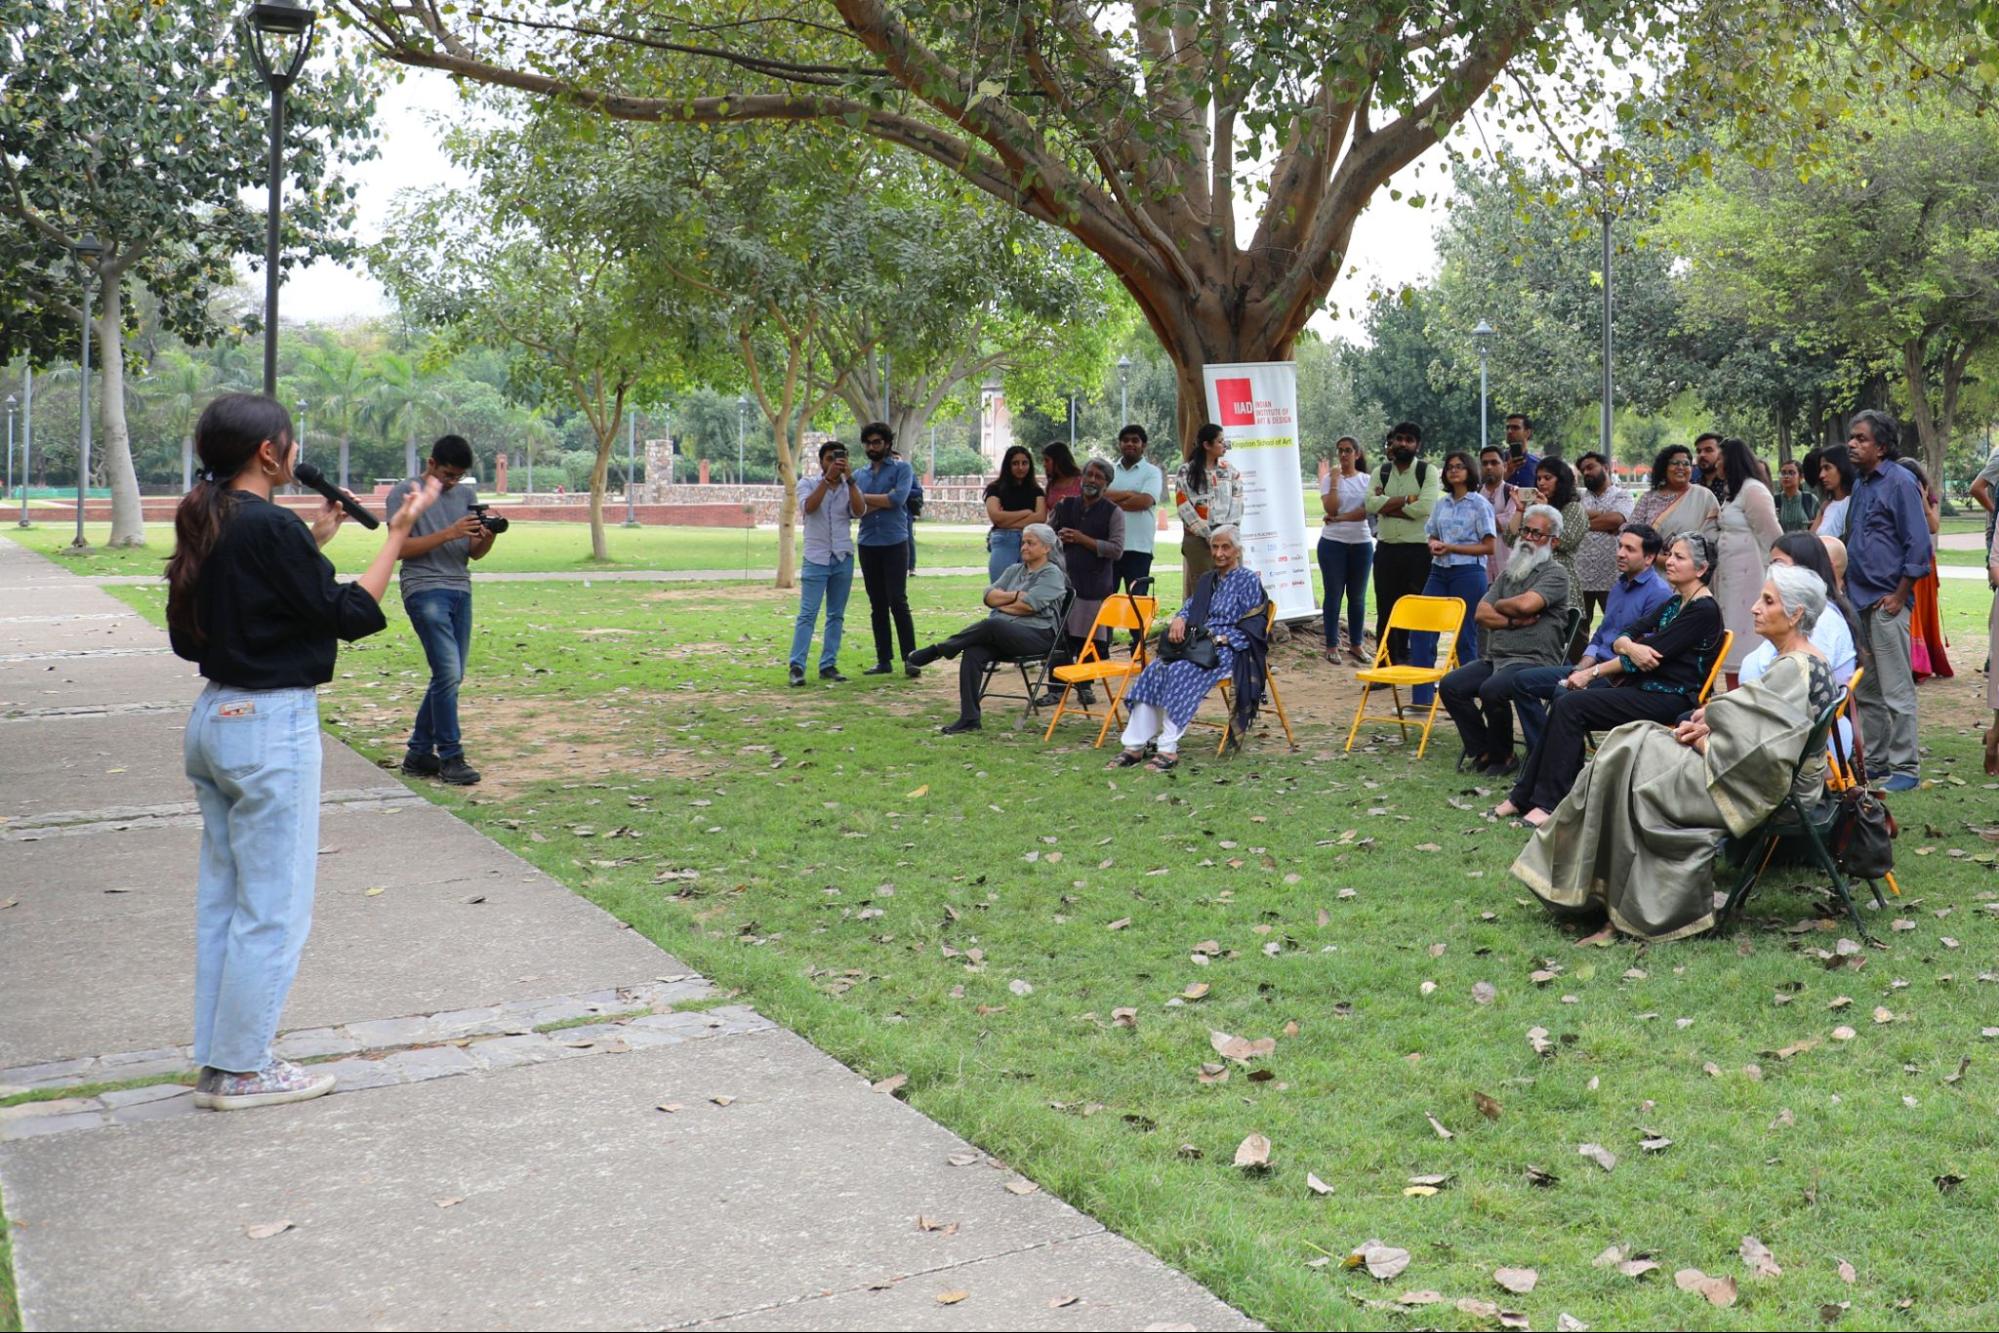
x: 493, y: 523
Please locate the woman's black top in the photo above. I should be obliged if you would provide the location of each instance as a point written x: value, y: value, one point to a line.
x: 268, y: 605
x: 1015, y: 496
x: 1687, y: 637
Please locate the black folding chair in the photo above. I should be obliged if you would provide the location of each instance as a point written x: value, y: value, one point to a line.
x: 1035, y: 671
x: 1795, y: 835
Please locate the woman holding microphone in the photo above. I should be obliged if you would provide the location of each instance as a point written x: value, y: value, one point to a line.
x: 251, y: 599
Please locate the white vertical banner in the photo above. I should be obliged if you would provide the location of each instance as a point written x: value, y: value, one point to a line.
x: 1256, y: 406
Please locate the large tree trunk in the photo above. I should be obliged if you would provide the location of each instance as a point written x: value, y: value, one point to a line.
x: 1916, y: 383
x: 1200, y: 337
x: 128, y: 525
x: 600, y: 471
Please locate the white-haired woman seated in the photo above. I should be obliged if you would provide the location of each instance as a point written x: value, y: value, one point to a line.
x: 1199, y: 649
x: 1636, y: 837
x: 1020, y: 622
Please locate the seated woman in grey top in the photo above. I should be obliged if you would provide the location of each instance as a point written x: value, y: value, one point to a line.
x: 1020, y: 622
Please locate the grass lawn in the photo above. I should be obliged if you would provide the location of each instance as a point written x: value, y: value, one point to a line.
x: 976, y: 912
x: 523, y: 548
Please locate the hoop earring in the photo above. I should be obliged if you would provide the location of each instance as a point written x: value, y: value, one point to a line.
x: 271, y: 472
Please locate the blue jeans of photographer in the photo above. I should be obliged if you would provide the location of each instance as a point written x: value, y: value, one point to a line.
x: 1003, y: 549
x: 442, y: 618
x: 254, y: 758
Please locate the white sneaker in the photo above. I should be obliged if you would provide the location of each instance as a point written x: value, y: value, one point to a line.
x: 275, y: 1084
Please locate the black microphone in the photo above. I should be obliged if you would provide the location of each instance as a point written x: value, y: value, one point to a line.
x: 313, y: 477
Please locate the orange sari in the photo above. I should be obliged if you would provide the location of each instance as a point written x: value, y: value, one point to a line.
x: 1926, y: 639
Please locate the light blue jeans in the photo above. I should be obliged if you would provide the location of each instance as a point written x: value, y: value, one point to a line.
x: 1464, y: 581
x: 1003, y: 548
x: 442, y: 618
x: 254, y: 759
x: 831, y: 584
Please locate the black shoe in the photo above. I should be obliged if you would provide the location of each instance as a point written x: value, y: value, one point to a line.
x: 961, y: 726
x: 911, y: 667
x: 1086, y: 696
x: 1501, y: 767
x: 830, y: 674
x: 919, y: 659
x: 420, y: 765
x: 879, y: 669
x: 798, y: 675
x: 458, y: 773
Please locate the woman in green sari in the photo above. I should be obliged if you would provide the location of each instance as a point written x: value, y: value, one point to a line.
x: 1636, y: 837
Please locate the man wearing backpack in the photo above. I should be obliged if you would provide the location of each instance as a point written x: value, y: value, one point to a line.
x: 1403, y: 491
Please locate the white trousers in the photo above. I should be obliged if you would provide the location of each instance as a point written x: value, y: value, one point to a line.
x: 1148, y: 721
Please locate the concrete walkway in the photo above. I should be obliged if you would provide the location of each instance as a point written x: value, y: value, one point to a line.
x: 530, y: 1132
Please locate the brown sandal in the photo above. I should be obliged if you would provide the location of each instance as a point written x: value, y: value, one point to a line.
x: 1127, y: 759
x: 1162, y: 763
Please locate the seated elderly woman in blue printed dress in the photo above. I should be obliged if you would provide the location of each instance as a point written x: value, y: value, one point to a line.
x: 1202, y: 643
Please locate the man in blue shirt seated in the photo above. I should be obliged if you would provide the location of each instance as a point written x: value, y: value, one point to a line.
x: 1887, y: 550
x: 1636, y: 593
x: 884, y: 542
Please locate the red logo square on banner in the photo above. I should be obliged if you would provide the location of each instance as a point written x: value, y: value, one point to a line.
x: 1237, y: 403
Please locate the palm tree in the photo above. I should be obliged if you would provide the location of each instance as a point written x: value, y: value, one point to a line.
x: 181, y: 386
x: 340, y: 388
x: 403, y: 403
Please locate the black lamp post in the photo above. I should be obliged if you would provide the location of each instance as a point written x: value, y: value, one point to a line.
x: 87, y: 251
x: 279, y: 35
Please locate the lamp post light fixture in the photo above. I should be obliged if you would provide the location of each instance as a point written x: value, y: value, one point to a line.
x: 632, y: 469
x: 1483, y: 336
x: 27, y: 439
x: 1124, y: 390
x: 742, y: 424
x: 88, y: 251
x: 279, y: 35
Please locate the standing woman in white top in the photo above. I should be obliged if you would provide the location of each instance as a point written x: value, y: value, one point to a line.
x: 1346, y: 549
x: 1749, y: 526
x: 1837, y: 478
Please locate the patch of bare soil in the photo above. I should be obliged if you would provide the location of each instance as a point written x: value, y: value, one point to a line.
x: 516, y: 743
x: 1960, y: 701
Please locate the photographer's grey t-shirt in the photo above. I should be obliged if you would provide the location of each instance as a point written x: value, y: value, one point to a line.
x: 446, y: 566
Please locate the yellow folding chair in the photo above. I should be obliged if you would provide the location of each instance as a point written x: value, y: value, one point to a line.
x: 1120, y: 611
x: 1841, y: 772
x: 1442, y: 616
x: 1269, y: 688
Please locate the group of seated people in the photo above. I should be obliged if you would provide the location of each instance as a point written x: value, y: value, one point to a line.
x: 1632, y: 831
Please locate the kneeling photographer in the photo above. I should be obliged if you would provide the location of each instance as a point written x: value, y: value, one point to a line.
x: 437, y: 594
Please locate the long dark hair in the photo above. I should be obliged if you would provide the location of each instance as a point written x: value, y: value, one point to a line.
x: 1565, y: 481
x: 1013, y: 492
x: 1061, y: 462
x: 1663, y: 459
x: 1806, y: 551
x: 1197, y: 462
x: 1842, y: 463
x: 227, y: 438
x: 1738, y: 469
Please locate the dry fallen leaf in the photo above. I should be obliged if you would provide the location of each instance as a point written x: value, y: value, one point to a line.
x: 267, y: 1230
x: 669, y: 1107
x: 1119, y: 924
x: 1125, y: 1017
x: 1420, y: 1298
x: 1637, y: 1268
x: 1240, y: 1049
x: 1519, y: 1281
x: 723, y: 1101
x: 891, y: 1083
x: 1062, y: 1302
x: 1483, y: 992
x: 1195, y: 991
x: 1568, y: 1323
x: 932, y: 1224
x: 1487, y: 1107
x: 451, y: 1201
x: 1599, y: 1154
x: 1210, y: 1072
x: 1847, y: 1273
x: 922, y: 791
x: 1021, y: 1187
x: 1253, y: 1153
x: 1843, y: 1033
x: 1438, y: 1125
x: 1316, y: 1185
x: 1383, y: 1262
x: 951, y: 1297
x: 1756, y: 1257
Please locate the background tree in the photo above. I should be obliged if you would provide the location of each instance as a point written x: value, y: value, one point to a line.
x: 1144, y: 133
x: 142, y: 124
x: 1887, y: 244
